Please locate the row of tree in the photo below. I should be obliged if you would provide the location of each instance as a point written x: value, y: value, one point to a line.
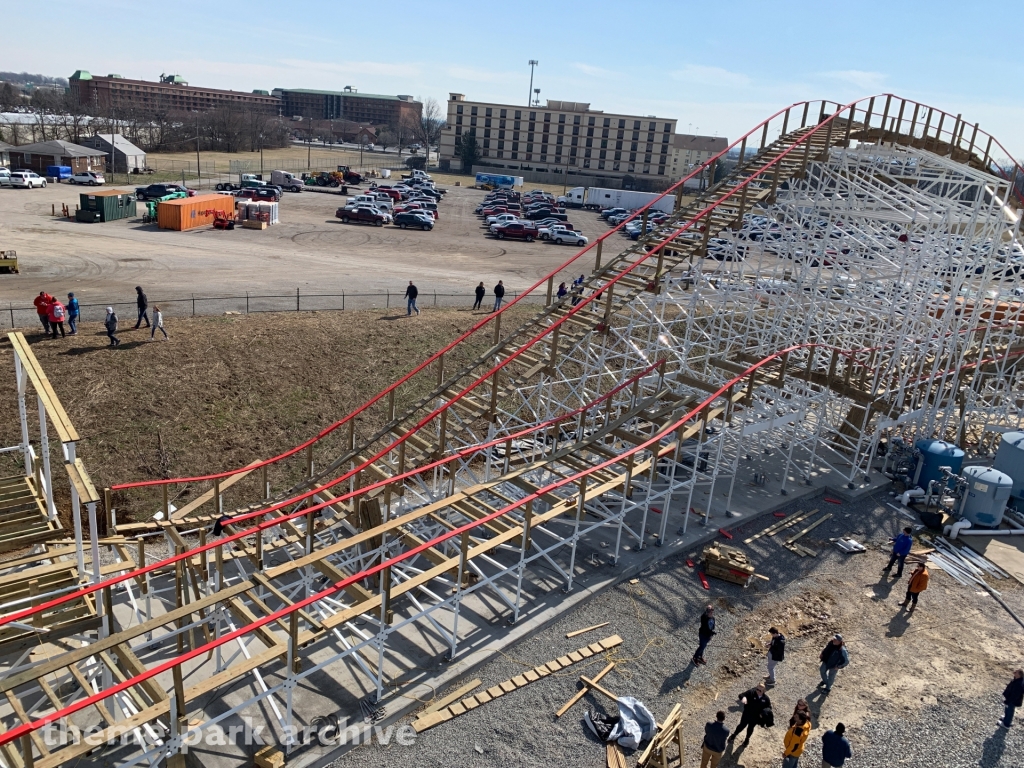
x: 47, y: 114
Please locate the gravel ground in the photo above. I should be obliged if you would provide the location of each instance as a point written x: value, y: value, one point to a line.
x: 920, y: 691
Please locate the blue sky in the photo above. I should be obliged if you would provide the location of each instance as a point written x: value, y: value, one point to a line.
x: 716, y: 67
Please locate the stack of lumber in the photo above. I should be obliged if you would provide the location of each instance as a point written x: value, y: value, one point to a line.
x: 728, y: 563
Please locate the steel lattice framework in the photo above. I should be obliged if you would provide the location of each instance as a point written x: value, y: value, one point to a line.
x: 854, y: 277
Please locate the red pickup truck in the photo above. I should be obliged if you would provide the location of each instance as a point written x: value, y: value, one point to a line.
x: 519, y: 229
x: 363, y: 214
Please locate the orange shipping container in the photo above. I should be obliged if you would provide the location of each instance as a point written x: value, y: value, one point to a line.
x: 190, y: 212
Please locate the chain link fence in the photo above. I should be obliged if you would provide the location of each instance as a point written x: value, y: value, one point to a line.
x: 252, y: 303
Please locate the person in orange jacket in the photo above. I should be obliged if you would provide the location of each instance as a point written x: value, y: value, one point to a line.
x: 795, y: 739
x: 42, y: 302
x: 918, y: 584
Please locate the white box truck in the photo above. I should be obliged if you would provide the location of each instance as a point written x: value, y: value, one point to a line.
x: 599, y: 198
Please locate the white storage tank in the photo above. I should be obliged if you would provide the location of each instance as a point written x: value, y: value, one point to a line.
x: 988, y: 490
x: 1010, y: 461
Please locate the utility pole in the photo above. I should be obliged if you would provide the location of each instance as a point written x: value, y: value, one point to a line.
x: 199, y: 172
x: 533, y: 63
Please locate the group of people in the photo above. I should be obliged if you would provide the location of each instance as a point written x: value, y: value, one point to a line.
x: 412, y: 293
x: 575, y: 290
x: 52, y: 314
x: 757, y: 710
x: 757, y: 707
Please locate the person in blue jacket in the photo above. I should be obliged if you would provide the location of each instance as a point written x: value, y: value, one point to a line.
x: 74, y: 312
x: 704, y: 634
x: 835, y: 748
x: 833, y: 658
x: 900, y: 549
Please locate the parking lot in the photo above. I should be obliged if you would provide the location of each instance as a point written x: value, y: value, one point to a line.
x: 310, y: 249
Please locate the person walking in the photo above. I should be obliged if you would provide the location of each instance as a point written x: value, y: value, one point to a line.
x: 900, y: 549
x: 794, y: 742
x: 562, y: 291
x: 835, y: 748
x: 918, y: 584
x: 158, y: 322
x: 410, y: 299
x: 110, y: 323
x: 834, y: 657
x: 57, y: 315
x: 1013, y: 697
x: 801, y: 708
x: 480, y: 293
x: 74, y: 312
x: 756, y: 711
x: 704, y: 634
x: 715, y: 736
x: 776, y: 652
x: 42, y: 303
x: 142, y: 302
x: 499, y: 294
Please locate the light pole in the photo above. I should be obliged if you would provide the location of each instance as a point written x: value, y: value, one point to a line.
x: 536, y: 93
x: 199, y: 172
x: 533, y: 63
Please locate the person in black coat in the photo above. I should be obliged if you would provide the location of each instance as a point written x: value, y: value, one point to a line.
x: 142, y: 302
x: 704, y: 634
x: 499, y: 294
x: 776, y: 652
x: 757, y: 710
x: 1013, y: 697
x: 480, y: 292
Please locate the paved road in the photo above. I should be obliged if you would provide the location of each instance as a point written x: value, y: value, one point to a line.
x: 309, y: 250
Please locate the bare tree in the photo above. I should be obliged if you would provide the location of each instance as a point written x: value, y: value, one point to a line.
x: 10, y: 98
x: 431, y: 122
x: 386, y: 138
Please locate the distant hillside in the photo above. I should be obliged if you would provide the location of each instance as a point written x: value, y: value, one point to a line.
x: 25, y: 79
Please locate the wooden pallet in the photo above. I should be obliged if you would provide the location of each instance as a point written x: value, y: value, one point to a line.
x: 531, y: 675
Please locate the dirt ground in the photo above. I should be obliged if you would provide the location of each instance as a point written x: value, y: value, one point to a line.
x: 223, y: 391
x: 921, y: 691
x: 310, y: 250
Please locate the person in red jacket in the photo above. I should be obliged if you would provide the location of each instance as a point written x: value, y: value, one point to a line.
x: 42, y: 302
x: 57, y: 315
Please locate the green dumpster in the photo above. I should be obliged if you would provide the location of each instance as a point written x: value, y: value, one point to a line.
x: 110, y: 204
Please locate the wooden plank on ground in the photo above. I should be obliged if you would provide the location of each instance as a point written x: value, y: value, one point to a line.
x: 809, y: 528
x: 586, y: 629
x: 584, y: 690
x: 444, y: 714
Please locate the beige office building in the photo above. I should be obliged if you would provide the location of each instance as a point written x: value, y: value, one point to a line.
x: 689, y: 152
x: 562, y: 138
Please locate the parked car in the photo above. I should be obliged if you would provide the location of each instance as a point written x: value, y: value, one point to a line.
x: 502, y: 218
x: 5, y: 177
x: 260, y: 194
x: 27, y: 180
x: 568, y: 237
x: 547, y: 232
x: 415, y: 220
x: 607, y: 213
x: 546, y: 214
x: 520, y: 230
x: 92, y: 178
x: 159, y: 191
x: 362, y: 214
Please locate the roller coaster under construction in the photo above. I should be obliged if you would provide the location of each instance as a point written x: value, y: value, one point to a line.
x: 855, y: 277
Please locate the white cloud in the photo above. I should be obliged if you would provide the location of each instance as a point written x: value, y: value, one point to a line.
x: 696, y: 74
x: 589, y: 69
x: 863, y: 80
